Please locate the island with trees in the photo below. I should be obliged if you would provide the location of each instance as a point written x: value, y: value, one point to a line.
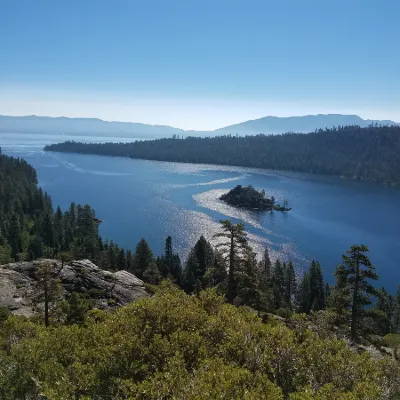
x: 250, y: 198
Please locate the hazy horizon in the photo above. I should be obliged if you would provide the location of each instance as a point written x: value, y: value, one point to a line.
x: 188, y: 130
x: 199, y: 66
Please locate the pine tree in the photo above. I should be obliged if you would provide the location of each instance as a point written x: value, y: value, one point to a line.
x: 58, y: 230
x: 5, y: 254
x: 73, y: 216
x: 311, y: 292
x: 248, y: 291
x: 177, y: 270
x: 357, y: 269
x: 162, y: 266
x: 35, y: 248
x: 290, y: 284
x: 14, y: 236
x: 111, y: 256
x: 152, y: 274
x: 200, y: 259
x: 303, y: 294
x: 396, y: 313
x: 76, y: 309
x: 340, y: 298
x: 204, y: 254
x: 142, y: 258
x: 49, y: 287
x: 265, y: 267
x: 216, y: 275
x: 191, y: 272
x: 169, y: 264
x: 317, y: 287
x: 169, y: 255
x: 384, y: 312
x: 48, y: 231
x: 265, y: 283
x: 278, y: 284
x: 129, y: 261
x: 267, y: 264
x: 64, y: 256
x: 327, y: 291
x: 235, y: 243
x: 121, y: 260
x: 87, y: 232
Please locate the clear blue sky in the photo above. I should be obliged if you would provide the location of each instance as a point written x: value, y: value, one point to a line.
x: 199, y: 64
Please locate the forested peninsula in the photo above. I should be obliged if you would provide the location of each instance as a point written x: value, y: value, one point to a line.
x: 223, y: 323
x: 371, y: 153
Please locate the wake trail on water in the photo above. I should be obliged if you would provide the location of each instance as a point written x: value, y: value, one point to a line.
x: 75, y: 168
x: 214, y: 182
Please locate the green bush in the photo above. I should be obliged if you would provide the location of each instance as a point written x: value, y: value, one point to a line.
x: 176, y: 346
x: 392, y: 340
x: 4, y: 313
x: 111, y: 302
x: 95, y: 293
x: 284, y: 313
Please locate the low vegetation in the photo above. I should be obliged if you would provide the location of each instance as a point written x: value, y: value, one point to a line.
x: 177, y: 346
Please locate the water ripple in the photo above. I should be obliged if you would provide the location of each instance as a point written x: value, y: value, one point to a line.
x: 214, y: 182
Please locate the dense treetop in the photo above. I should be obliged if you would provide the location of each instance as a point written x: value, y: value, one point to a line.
x: 371, y: 153
x: 250, y: 198
x: 31, y: 229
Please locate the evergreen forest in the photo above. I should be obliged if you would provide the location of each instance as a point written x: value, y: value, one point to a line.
x: 225, y: 323
x: 371, y: 153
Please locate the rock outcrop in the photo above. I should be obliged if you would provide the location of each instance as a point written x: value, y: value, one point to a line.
x: 18, y: 285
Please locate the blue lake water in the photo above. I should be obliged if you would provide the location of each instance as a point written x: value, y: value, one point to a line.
x: 150, y: 199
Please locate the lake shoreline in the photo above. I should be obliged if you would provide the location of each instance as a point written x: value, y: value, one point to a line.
x: 357, y: 179
x: 152, y: 199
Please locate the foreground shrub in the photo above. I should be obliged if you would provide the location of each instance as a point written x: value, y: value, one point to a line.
x: 175, y: 346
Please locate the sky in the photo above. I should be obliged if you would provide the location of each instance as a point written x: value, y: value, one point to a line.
x: 199, y: 64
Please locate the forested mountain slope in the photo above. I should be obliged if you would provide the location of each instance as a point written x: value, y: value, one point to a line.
x: 31, y: 229
x: 371, y: 153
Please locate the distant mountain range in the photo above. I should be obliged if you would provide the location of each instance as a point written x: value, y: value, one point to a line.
x: 98, y: 127
x: 84, y: 127
x: 302, y: 124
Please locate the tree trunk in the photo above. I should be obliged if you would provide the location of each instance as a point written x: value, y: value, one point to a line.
x: 354, y: 305
x: 46, y: 306
x: 231, y: 280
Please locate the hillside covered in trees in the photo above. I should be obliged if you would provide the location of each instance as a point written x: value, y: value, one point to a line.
x: 31, y: 229
x: 222, y: 324
x: 371, y: 153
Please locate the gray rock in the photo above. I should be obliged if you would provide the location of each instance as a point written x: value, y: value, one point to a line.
x: 107, y: 289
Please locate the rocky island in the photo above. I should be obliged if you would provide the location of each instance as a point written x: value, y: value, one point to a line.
x: 252, y: 199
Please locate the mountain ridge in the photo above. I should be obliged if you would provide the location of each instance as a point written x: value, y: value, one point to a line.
x: 299, y: 124
x: 136, y: 130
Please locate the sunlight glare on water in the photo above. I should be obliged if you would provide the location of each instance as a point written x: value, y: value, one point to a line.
x: 151, y: 199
